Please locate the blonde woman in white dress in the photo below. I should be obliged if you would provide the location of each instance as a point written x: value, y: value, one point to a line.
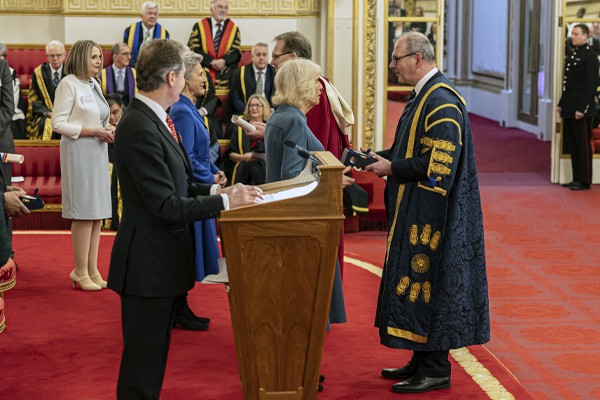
x: 81, y: 116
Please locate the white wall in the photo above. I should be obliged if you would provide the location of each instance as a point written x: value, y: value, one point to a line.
x: 31, y: 28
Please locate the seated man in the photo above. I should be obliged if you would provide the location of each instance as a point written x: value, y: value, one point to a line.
x: 219, y: 44
x: 119, y: 78
x: 17, y: 125
x: 43, y: 85
x: 207, y: 105
x: 141, y: 33
x: 256, y: 78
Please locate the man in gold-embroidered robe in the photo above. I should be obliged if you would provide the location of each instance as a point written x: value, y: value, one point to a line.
x: 43, y: 84
x: 433, y: 294
x: 218, y: 40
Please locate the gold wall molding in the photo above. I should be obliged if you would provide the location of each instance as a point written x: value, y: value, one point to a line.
x: 369, y: 74
x: 168, y: 8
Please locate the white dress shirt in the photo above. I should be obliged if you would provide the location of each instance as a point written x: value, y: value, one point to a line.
x: 215, y: 27
x: 59, y: 70
x: 162, y: 115
x: 424, y: 80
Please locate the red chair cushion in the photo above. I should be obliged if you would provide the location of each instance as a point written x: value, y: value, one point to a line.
x: 39, y: 161
x: 8, y: 275
x: 49, y: 188
x: 596, y: 146
x: 596, y: 133
x: 2, y: 317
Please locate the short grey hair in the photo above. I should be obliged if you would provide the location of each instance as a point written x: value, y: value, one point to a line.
x: 213, y: 2
x: 55, y: 43
x: 190, y: 60
x: 416, y: 42
x: 260, y: 44
x: 150, y: 5
x: 3, y: 49
x: 156, y: 60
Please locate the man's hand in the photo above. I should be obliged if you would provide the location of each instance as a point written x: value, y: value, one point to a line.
x: 242, y: 195
x: 346, y: 180
x: 202, y: 111
x: 16, y: 189
x: 363, y: 150
x: 220, y: 179
x: 579, y: 115
x: 13, y: 206
x: 260, y: 131
x: 558, y: 110
x: 248, y: 157
x: 381, y: 168
x: 218, y: 65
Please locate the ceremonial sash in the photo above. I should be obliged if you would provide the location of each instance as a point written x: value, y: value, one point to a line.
x: 107, y: 81
x: 341, y: 110
x: 243, y: 81
x: 134, y: 41
x: 241, y: 147
x: 42, y: 86
x: 208, y: 45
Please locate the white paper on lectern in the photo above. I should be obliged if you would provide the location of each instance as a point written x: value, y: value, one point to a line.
x: 291, y: 193
x: 221, y: 277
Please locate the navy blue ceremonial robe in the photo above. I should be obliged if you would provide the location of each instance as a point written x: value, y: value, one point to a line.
x: 433, y: 294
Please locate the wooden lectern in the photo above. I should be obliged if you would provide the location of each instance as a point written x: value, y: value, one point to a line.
x: 281, y: 259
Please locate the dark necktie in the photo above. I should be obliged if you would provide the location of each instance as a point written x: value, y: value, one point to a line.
x: 259, y: 84
x: 55, y: 80
x: 217, y: 39
x: 172, y: 128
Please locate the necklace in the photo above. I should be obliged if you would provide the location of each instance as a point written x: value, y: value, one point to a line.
x: 193, y: 102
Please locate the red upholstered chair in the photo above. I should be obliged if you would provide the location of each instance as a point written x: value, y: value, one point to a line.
x: 2, y: 317
x: 596, y: 141
x: 41, y: 169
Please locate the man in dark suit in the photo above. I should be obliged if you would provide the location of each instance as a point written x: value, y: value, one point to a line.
x: 577, y: 106
x: 256, y: 78
x: 153, y: 260
x: 119, y: 77
x: 44, y: 81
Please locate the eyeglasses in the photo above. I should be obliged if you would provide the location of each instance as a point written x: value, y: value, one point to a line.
x: 255, y: 106
x: 126, y: 54
x: 55, y: 55
x: 275, y: 57
x: 396, y: 59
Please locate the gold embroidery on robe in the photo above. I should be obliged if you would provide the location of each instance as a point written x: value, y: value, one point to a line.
x: 442, y: 157
x: 414, y: 291
x: 427, y: 292
x: 441, y: 144
x: 435, y: 240
x: 404, y: 281
x: 439, y: 169
x: 414, y: 230
x: 420, y: 263
x: 426, y: 234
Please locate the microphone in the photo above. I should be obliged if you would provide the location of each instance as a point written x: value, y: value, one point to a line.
x: 302, y: 152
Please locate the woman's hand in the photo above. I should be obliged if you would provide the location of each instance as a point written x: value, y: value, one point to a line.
x: 259, y: 134
x: 220, y: 179
x: 248, y: 157
x: 105, y: 134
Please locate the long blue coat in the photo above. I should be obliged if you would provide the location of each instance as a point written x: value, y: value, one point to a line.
x: 194, y: 135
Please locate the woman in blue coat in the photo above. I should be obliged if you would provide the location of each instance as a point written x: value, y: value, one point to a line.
x: 195, y: 138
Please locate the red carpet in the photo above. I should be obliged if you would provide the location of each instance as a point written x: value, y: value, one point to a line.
x: 65, y: 344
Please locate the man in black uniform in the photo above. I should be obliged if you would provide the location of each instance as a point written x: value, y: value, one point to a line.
x: 577, y: 106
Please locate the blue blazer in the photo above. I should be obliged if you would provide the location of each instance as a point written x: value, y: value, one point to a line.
x: 194, y: 135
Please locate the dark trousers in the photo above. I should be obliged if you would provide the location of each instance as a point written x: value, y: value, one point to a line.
x: 147, y: 326
x: 7, y: 170
x: 434, y: 364
x: 578, y: 135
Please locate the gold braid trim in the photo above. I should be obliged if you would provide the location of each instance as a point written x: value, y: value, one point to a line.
x: 414, y: 291
x: 427, y: 292
x: 420, y: 263
x: 425, y: 235
x: 441, y: 144
x: 439, y: 169
x: 406, y: 335
x: 435, y: 240
x: 47, y: 129
x: 414, y: 230
x: 404, y: 281
x: 442, y: 157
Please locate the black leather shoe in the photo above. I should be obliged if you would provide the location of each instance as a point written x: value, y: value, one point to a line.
x: 320, y: 388
x: 202, y: 320
x: 421, y: 384
x: 580, y: 186
x: 400, y: 374
x: 186, y: 322
x: 321, y: 378
x: 568, y: 184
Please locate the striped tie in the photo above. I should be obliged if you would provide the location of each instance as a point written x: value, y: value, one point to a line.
x: 217, y: 39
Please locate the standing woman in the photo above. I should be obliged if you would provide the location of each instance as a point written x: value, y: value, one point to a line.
x: 189, y: 123
x: 81, y: 116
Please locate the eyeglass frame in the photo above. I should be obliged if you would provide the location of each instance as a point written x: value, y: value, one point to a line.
x: 275, y: 57
x: 55, y: 55
x: 396, y: 59
x: 256, y: 106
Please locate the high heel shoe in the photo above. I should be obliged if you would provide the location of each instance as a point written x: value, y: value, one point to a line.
x: 85, y: 283
x: 97, y: 279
